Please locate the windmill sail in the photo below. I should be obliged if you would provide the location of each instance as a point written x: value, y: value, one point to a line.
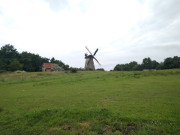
x: 97, y: 61
x: 95, y: 52
x: 88, y: 50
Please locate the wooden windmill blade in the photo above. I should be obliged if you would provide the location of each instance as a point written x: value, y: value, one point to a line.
x: 95, y: 52
x: 97, y: 61
x: 88, y: 50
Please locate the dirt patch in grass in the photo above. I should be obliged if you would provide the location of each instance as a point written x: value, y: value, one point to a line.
x: 80, y: 132
x: 68, y: 128
x: 85, y: 124
x: 54, y: 129
x: 127, y: 129
x: 74, y: 128
x: 130, y: 127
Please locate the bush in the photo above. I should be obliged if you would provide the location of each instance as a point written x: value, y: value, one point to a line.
x: 57, y: 68
x: 3, y: 71
x: 73, y: 70
x: 100, y: 69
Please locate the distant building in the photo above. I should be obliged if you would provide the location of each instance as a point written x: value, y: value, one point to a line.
x: 46, y: 67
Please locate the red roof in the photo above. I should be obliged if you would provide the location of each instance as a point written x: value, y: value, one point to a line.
x: 48, y: 65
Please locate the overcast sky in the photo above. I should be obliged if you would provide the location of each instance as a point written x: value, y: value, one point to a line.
x: 123, y: 30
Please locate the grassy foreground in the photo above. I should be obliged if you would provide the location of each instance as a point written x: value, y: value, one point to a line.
x: 90, y: 103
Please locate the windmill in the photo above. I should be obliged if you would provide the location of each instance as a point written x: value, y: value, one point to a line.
x: 89, y: 64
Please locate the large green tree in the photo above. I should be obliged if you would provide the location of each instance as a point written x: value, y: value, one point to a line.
x: 133, y: 65
x: 168, y: 63
x: 154, y: 64
x: 32, y: 62
x: 7, y: 54
x: 176, y: 62
x: 147, y: 63
x: 172, y: 62
x: 15, y: 65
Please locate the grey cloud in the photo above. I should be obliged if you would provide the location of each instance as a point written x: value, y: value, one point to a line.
x: 164, y: 13
x: 168, y: 9
x: 57, y: 5
x: 163, y: 26
x: 160, y: 52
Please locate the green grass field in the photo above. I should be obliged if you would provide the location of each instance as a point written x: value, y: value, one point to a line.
x: 90, y: 103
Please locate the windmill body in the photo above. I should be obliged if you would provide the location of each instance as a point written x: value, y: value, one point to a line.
x: 89, y: 63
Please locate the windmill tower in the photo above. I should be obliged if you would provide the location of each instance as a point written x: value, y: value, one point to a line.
x: 89, y: 64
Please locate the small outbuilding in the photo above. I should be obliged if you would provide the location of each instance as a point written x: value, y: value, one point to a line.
x: 46, y: 67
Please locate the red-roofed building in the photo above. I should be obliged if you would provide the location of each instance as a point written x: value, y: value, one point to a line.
x: 47, y: 67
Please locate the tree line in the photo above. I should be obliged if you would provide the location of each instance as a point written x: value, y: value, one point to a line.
x: 12, y: 60
x: 149, y: 64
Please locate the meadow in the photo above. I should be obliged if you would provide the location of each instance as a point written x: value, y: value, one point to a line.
x: 90, y: 103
